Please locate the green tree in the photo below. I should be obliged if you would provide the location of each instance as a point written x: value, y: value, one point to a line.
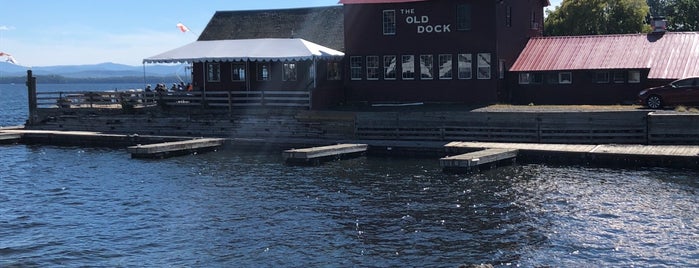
x: 589, y: 17
x: 683, y: 15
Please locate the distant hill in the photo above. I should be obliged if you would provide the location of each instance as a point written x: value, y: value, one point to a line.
x: 102, y: 70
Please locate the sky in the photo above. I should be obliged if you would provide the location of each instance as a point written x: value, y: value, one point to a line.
x: 77, y: 32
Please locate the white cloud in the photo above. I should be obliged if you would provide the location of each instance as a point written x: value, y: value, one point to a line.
x: 6, y: 28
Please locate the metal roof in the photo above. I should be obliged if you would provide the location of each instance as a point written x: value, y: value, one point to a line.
x: 671, y: 55
x: 349, y: 2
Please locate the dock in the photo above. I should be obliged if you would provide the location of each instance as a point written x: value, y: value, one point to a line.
x: 672, y: 156
x: 315, y: 155
x: 9, y: 138
x: 175, y: 148
x: 475, y: 160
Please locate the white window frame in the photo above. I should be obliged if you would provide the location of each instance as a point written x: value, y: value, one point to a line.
x: 390, y: 63
x: 389, y: 22
x: 484, y: 63
x: 602, y: 77
x: 261, y: 67
x: 446, y: 67
x: 356, y: 66
x: 524, y: 78
x: 290, y: 71
x: 372, y: 68
x: 467, y: 64
x: 242, y: 72
x: 563, y: 81
x: 427, y: 67
x: 405, y: 75
x: 213, y: 72
x: 634, y: 77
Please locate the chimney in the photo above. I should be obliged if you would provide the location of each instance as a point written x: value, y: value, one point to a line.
x: 659, y: 24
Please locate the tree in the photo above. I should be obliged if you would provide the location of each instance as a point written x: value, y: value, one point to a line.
x: 588, y: 17
x: 683, y: 15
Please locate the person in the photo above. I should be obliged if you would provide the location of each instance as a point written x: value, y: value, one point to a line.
x: 148, y: 89
x: 190, y: 87
x: 174, y: 87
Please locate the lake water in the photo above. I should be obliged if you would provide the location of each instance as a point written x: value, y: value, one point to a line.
x: 70, y: 206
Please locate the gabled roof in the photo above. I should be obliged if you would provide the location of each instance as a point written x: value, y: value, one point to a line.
x: 321, y: 25
x: 349, y: 2
x: 268, y: 49
x: 671, y: 55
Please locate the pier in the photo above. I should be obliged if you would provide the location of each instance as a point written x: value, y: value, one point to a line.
x: 472, y: 161
x: 167, y: 149
x: 315, y: 155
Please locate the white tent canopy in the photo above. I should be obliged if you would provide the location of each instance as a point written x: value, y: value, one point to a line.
x: 267, y: 49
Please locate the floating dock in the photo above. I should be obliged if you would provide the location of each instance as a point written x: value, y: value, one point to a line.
x: 672, y: 156
x: 315, y: 155
x: 475, y: 160
x: 9, y: 138
x: 175, y: 148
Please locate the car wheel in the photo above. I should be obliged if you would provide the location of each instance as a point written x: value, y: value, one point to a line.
x: 654, y: 102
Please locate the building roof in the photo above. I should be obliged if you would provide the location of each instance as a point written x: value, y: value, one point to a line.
x: 671, y: 55
x: 321, y: 25
x: 349, y: 2
x: 265, y: 49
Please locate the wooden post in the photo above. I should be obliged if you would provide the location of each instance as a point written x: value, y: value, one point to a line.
x: 31, y: 93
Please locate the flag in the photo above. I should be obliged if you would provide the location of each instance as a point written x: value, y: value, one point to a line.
x: 11, y: 59
x: 182, y: 28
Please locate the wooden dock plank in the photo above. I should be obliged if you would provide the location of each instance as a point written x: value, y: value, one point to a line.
x: 475, y: 159
x: 316, y: 153
x: 9, y: 138
x: 159, y: 150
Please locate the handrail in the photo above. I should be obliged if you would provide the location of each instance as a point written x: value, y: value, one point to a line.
x: 121, y: 99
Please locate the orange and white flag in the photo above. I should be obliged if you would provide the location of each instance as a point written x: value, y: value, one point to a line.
x: 182, y: 27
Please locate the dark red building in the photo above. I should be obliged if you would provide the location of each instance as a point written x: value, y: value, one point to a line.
x: 601, y: 69
x: 435, y: 50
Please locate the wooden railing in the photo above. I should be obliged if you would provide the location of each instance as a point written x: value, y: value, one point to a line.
x: 210, y: 99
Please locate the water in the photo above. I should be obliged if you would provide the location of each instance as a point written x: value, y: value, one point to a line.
x: 69, y: 206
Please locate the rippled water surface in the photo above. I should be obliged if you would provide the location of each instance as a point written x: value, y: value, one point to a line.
x: 69, y: 206
x: 75, y: 207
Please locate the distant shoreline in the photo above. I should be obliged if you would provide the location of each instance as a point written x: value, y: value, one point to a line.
x: 55, y: 79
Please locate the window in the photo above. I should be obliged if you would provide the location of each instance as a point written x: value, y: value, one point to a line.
x: 508, y: 16
x: 334, y: 70
x: 213, y: 71
x: 463, y: 17
x: 524, y: 78
x: 389, y: 22
x: 289, y: 73
x: 465, y: 66
x: 445, y: 67
x: 634, y: 77
x: 408, y: 67
x: 389, y: 67
x: 618, y: 77
x: 602, y: 77
x: 356, y: 68
x: 426, y: 67
x: 372, y: 67
x: 565, y: 78
x: 263, y: 71
x: 238, y: 71
x: 552, y: 78
x: 483, y: 65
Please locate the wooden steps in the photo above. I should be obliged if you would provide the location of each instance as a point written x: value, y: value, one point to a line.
x: 315, y: 155
x: 168, y: 149
x: 478, y: 159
